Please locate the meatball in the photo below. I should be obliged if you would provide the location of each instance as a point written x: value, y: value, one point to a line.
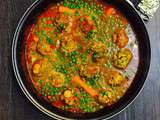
x: 63, y: 22
x: 41, y: 67
x: 69, y: 44
x: 122, y: 58
x: 69, y: 98
x: 100, y: 58
x: 100, y: 51
x: 68, y: 94
x: 98, y: 47
x: 63, y: 18
x: 121, y: 38
x: 89, y: 71
x: 115, y: 78
x: 44, y: 48
x: 86, y: 25
x: 36, y: 68
x: 106, y: 97
x: 57, y: 79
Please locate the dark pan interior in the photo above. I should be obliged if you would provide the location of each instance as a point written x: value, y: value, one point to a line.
x: 144, y: 54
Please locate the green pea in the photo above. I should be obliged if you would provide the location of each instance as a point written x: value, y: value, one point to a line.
x: 109, y: 65
x: 77, y: 69
x: 72, y: 0
x: 72, y: 57
x: 62, y: 25
x: 49, y: 40
x: 65, y: 71
x: 77, y: 6
x: 68, y: 78
x: 43, y: 19
x: 43, y: 32
x: 93, y: 18
x: 85, y: 4
x: 65, y: 13
x: 74, y: 60
x: 88, y: 51
x: 40, y: 82
x: 55, y: 36
x: 74, y: 53
x: 76, y: 13
x: 94, y: 55
x: 71, y: 64
x: 45, y: 94
x: 50, y: 25
x: 90, y: 34
x: 65, y: 3
x: 71, y: 6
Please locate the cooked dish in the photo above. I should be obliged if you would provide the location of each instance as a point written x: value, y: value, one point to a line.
x: 81, y: 55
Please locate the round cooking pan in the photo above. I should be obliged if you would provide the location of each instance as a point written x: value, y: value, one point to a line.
x: 138, y: 26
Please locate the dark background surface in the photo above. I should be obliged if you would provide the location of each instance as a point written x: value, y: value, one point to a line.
x: 15, y: 106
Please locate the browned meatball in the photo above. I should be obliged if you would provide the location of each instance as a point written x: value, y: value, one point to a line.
x: 69, y: 44
x: 89, y: 70
x: 115, y: 78
x: 41, y: 67
x: 120, y: 38
x: 44, y: 48
x: 98, y: 47
x: 122, y: 58
x: 69, y: 98
x: 57, y: 79
x: 106, y: 97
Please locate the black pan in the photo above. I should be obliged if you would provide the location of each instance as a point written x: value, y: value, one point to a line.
x: 144, y: 54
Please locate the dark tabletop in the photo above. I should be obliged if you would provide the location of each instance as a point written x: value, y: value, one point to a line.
x: 15, y: 106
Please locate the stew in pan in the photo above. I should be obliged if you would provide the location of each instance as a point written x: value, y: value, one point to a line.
x: 81, y: 55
